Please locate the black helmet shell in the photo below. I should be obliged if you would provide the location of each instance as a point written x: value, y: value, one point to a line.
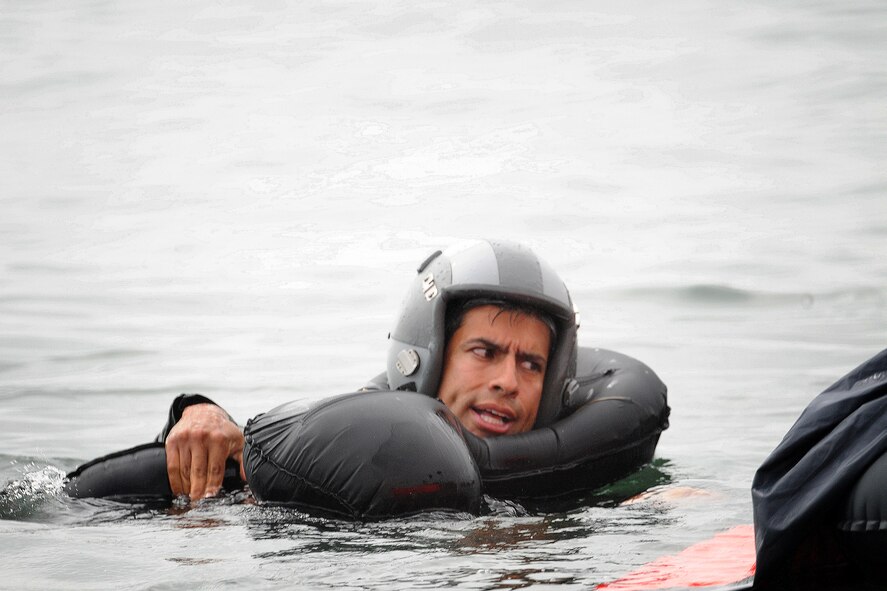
x: 492, y: 269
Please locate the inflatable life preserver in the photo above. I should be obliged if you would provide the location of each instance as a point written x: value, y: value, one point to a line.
x: 375, y: 454
x: 370, y: 455
x: 366, y: 455
x: 609, y: 428
x: 134, y: 475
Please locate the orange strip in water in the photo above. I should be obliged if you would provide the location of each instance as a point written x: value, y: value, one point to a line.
x: 729, y: 557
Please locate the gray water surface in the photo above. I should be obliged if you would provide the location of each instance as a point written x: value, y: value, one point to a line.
x: 230, y: 198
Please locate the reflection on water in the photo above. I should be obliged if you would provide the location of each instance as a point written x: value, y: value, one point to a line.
x: 280, y: 536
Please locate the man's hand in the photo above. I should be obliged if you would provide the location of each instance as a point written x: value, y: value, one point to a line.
x: 197, y: 448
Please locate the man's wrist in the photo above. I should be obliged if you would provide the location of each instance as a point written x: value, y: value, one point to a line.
x: 183, y: 401
x: 177, y: 409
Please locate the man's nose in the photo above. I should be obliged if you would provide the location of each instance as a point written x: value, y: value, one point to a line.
x: 505, y: 377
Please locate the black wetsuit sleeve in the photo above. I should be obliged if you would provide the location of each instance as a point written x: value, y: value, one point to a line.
x: 178, y: 406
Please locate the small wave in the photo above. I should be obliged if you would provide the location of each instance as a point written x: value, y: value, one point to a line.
x: 7, y: 366
x: 8, y: 393
x: 719, y: 294
x: 104, y: 355
x: 706, y: 293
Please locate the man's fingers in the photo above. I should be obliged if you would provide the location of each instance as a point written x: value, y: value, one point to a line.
x: 173, y: 470
x: 197, y: 475
x: 185, y: 470
x: 215, y: 470
x: 239, y: 457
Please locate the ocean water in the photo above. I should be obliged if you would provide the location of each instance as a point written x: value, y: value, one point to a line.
x: 230, y: 198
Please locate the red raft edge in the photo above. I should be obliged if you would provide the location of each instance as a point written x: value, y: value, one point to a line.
x: 726, y: 561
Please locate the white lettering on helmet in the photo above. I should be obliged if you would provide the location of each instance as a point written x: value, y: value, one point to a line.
x: 429, y: 288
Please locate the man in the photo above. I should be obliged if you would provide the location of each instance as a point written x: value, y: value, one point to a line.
x: 488, y: 328
x: 494, y: 367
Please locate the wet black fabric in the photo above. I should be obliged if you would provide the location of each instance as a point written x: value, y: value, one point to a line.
x: 803, y: 485
x: 367, y: 455
x: 135, y: 475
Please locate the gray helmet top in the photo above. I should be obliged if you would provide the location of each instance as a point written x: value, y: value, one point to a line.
x: 485, y: 269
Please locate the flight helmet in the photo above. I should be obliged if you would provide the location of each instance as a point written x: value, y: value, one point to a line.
x: 488, y: 271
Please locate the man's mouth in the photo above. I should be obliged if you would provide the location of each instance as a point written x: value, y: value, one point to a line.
x: 492, y: 420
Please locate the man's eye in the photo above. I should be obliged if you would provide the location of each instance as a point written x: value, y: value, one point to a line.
x: 484, y: 352
x: 532, y: 366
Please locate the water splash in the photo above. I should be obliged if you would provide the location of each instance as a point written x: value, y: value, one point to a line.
x: 29, y: 497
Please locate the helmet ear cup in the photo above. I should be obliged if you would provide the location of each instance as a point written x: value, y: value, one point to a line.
x: 407, y: 362
x: 500, y: 271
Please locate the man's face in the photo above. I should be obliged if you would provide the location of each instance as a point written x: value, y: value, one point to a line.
x: 494, y: 368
